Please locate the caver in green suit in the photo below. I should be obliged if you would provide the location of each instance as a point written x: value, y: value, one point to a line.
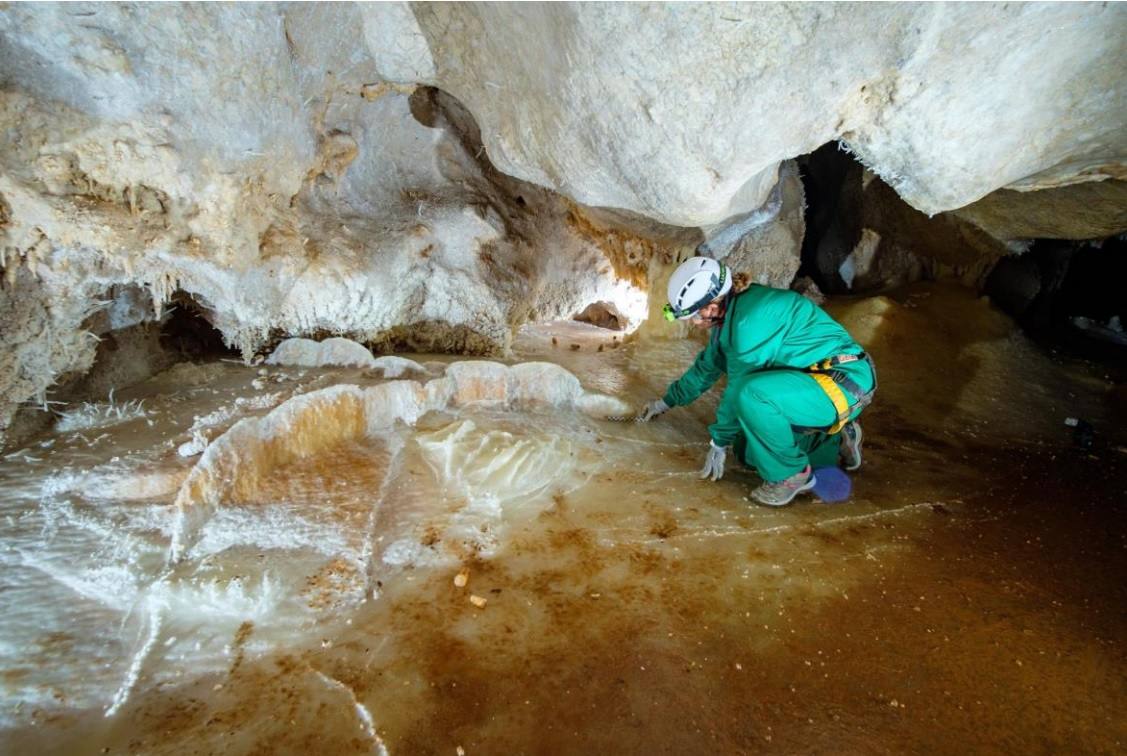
x: 772, y: 407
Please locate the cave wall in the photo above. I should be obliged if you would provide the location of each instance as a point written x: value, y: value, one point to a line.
x: 251, y: 157
x: 431, y: 176
x: 864, y: 238
x: 682, y: 111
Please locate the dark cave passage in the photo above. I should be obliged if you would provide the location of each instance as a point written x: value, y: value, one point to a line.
x: 188, y: 331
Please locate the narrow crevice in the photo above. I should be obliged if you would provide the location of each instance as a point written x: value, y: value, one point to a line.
x: 832, y: 181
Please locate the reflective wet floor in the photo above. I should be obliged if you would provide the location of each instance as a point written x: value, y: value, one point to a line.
x: 503, y: 581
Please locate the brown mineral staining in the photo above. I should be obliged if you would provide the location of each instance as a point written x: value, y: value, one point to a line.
x: 243, y: 632
x: 664, y: 526
x: 325, y: 586
x: 375, y: 91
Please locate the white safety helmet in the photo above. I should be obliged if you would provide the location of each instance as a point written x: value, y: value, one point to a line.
x: 694, y: 284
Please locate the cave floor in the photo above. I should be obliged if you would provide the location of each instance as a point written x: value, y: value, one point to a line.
x: 968, y: 598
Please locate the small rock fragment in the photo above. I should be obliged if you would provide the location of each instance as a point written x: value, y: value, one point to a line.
x: 462, y: 578
x: 478, y: 601
x: 460, y: 751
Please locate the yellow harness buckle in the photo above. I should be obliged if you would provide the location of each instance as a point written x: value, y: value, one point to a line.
x: 837, y: 396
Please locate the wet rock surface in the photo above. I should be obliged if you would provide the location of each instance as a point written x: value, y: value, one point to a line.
x: 401, y: 176
x: 967, y: 597
x: 285, y: 543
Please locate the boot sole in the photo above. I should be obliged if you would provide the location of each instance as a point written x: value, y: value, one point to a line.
x: 804, y: 488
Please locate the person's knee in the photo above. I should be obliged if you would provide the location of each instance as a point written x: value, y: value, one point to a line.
x: 755, y: 404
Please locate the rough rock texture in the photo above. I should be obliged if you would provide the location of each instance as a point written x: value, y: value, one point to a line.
x: 603, y: 315
x: 1093, y: 210
x: 431, y: 176
x: 770, y: 253
x: 260, y: 168
x: 864, y: 238
x: 908, y: 245
x: 682, y: 111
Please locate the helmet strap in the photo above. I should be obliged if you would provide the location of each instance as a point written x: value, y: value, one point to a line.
x: 719, y: 319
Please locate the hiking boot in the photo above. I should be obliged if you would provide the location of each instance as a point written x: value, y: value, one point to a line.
x: 783, y: 492
x: 851, y: 446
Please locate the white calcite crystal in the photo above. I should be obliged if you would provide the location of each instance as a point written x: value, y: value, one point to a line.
x: 428, y: 177
x: 234, y: 465
x: 334, y: 352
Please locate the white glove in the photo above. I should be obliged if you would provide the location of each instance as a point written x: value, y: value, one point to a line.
x: 714, y: 462
x: 653, y: 409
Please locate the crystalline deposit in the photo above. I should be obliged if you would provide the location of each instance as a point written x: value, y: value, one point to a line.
x: 233, y: 467
x: 251, y: 160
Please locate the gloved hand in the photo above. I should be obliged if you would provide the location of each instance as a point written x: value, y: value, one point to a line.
x: 714, y: 462
x: 653, y: 409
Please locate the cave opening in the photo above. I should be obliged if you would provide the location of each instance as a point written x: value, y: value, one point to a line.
x: 188, y: 331
x: 1068, y: 295
x: 432, y: 503
x: 831, y: 179
x: 1065, y: 294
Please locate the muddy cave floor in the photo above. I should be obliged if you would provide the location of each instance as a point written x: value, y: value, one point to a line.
x: 968, y: 598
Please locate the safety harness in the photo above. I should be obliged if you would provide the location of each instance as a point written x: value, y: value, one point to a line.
x: 836, y: 384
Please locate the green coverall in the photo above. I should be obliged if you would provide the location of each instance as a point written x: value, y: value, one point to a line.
x: 768, y: 338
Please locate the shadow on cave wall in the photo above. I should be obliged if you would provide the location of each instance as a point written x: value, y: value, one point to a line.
x: 132, y: 346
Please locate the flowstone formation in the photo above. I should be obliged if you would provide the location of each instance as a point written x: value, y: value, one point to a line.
x: 429, y: 177
x: 253, y: 559
x: 260, y: 168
